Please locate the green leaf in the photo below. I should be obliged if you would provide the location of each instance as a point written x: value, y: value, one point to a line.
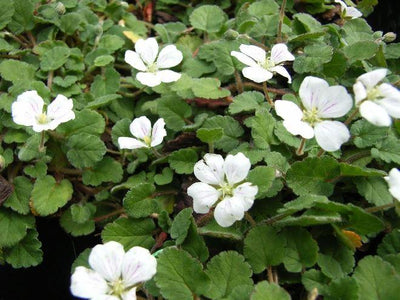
x: 179, y: 275
x: 314, y: 57
x: 13, y: 227
x: 262, y: 177
x: 337, y: 66
x: 36, y: 171
x: 374, y: 190
x: 388, y: 151
x: 312, y: 175
x: 360, y: 50
x: 390, y: 244
x: 352, y: 171
x: 85, y: 150
x: 264, y: 247
x: 19, y: 199
x: 71, y: 22
x: 174, y: 111
x: 226, y: 271
x: 6, y: 13
x: 209, y: 135
x: 111, y: 42
x: 30, y: 149
x: 86, y: 121
x: 183, y: 160
x: 48, y: 195
x: 103, y: 60
x: 366, y: 134
x: 342, y: 288
x: 82, y: 212
x: 54, y: 58
x: 376, y: 279
x: 209, y: 18
x: 264, y: 7
x: 82, y: 260
x: 307, y: 22
x: 209, y: 88
x: 246, y: 102
x: 214, y: 230
x: 269, y: 291
x: 130, y: 232
x: 357, y: 30
x: 312, y: 279
x: 180, y: 225
x: 26, y: 253
x: 14, y: 70
x: 22, y: 19
x: 74, y: 228
x: 106, y: 170
x: 121, y: 128
x: 165, y: 177
x: 107, y: 83
x: 139, y: 201
x: 262, y: 129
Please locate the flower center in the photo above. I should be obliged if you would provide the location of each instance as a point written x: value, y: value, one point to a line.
x: 43, y: 119
x: 147, y: 140
x: 311, y: 116
x: 226, y: 190
x: 152, y: 68
x: 118, y: 287
x: 373, y: 94
x: 268, y: 63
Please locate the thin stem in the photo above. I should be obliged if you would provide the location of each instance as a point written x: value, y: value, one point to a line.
x: 50, y: 79
x: 113, y: 152
x: 41, y: 144
x: 31, y: 38
x: 250, y: 219
x: 379, y: 208
x: 281, y: 17
x: 320, y: 152
x: 270, y: 275
x: 253, y: 41
x: 266, y: 94
x: 300, y: 150
x: 111, y: 214
x: 239, y: 83
x: 351, y: 117
x: 156, y: 153
x: 211, y: 147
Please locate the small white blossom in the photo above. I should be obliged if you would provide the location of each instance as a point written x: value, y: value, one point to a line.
x: 261, y: 68
x: 149, y: 62
x: 114, y: 274
x: 222, y: 182
x: 320, y: 102
x: 393, y: 181
x: 145, y: 136
x: 379, y: 103
x: 28, y: 110
x: 348, y: 11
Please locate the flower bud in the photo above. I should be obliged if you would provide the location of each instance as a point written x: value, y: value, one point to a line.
x: 60, y: 8
x: 231, y: 34
x: 389, y: 37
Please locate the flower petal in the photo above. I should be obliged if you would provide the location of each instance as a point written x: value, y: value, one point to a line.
x: 310, y: 90
x: 389, y: 91
x: 204, y: 196
x: 282, y: 71
x: 168, y: 76
x: 169, y: 57
x: 129, y: 295
x: 393, y: 181
x: 228, y: 211
x: 132, y: 58
x: 60, y: 110
x: 130, y: 143
x: 236, y: 168
x: 138, y: 266
x: 87, y: 283
x: 360, y: 92
x: 247, y: 192
x: 210, y: 169
x: 257, y: 74
x: 288, y: 110
x: 352, y: 12
x: 107, y: 260
x: 26, y: 108
x: 297, y: 127
x: 158, y: 133
x: 256, y: 53
x: 147, y: 50
x: 372, y: 78
x: 375, y: 114
x: 280, y: 53
x: 149, y: 79
x: 334, y: 102
x: 330, y: 135
x: 244, y: 59
x: 140, y: 127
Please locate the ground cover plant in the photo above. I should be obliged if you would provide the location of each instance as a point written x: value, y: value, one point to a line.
x: 221, y: 149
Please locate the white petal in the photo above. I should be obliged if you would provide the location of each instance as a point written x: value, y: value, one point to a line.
x: 210, y: 169
x: 334, y: 102
x: 147, y: 49
x: 140, y: 127
x: 257, y: 74
x: 158, y: 133
x: 360, y: 92
x: 247, y: 192
x: 393, y: 181
x: 353, y: 12
x: 342, y: 4
x: 280, y: 53
x: 330, y: 135
x: 392, y: 106
x: 169, y: 57
x: 204, y: 196
x: 60, y: 110
x: 149, y: 79
x: 297, y: 127
x: 26, y: 108
x: 105, y: 297
x: 138, y: 266
x: 236, y: 167
x: 372, y: 78
x: 256, y: 53
x: 132, y: 58
x: 107, y: 260
x: 375, y: 114
x: 288, y: 110
x: 168, y: 76
x: 310, y: 90
x: 228, y: 211
x: 43, y: 127
x: 129, y: 295
x: 87, y: 283
x: 282, y: 71
x: 389, y: 91
x: 130, y: 143
x: 243, y: 58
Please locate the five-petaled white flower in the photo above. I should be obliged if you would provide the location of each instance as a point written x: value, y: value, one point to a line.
x: 145, y: 136
x: 144, y: 60
x: 348, y: 11
x: 261, y: 68
x: 393, y: 181
x: 223, y: 180
x: 114, y: 274
x: 320, y: 102
x: 27, y: 110
x: 378, y: 103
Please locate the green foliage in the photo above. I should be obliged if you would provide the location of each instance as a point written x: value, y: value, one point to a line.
x: 269, y: 291
x: 139, y: 201
x: 183, y: 160
x: 209, y: 18
x: 85, y: 150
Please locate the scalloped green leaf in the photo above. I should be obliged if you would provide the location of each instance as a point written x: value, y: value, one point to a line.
x: 139, y: 201
x: 13, y: 227
x: 269, y: 291
x: 209, y: 18
x: 183, y: 161
x: 19, y: 199
x: 85, y: 150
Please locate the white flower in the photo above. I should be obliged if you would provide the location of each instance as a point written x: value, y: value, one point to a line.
x: 320, y: 102
x: 27, y: 110
x: 114, y: 274
x: 261, y: 68
x: 145, y: 136
x: 144, y: 60
x: 348, y: 11
x: 393, y: 181
x: 378, y: 103
x: 223, y: 180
